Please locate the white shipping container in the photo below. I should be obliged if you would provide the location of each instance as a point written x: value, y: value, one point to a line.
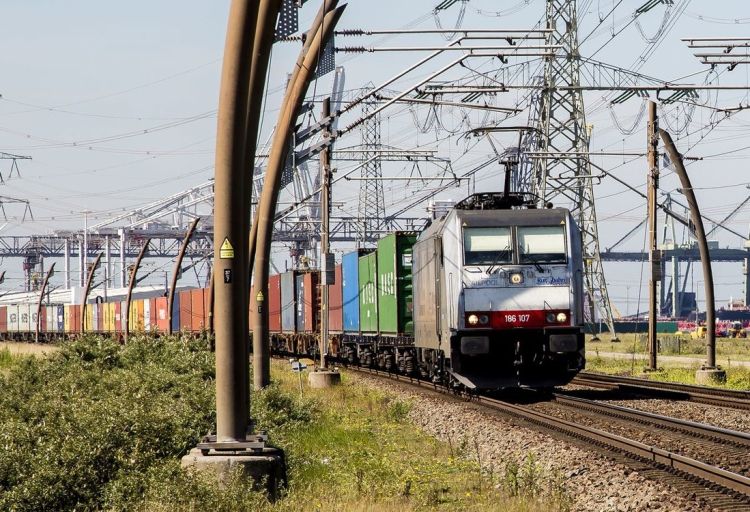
x: 146, y: 315
x: 25, y: 323
x: 49, y: 312
x: 13, y: 318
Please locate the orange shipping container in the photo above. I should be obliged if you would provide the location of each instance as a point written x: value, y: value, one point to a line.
x: 162, y: 320
x: 3, y: 319
x: 197, y: 311
x: 185, y: 311
x: 139, y: 324
x: 207, y: 307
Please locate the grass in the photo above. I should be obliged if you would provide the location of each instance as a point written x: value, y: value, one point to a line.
x: 100, y: 426
x: 736, y: 349
x: 737, y: 377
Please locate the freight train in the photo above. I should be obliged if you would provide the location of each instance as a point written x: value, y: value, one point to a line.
x: 485, y: 297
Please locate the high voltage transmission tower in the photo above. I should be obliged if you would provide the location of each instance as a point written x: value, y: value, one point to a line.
x: 560, y: 167
x: 371, y: 212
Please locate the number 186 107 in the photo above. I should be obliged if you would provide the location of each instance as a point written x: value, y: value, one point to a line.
x: 520, y: 319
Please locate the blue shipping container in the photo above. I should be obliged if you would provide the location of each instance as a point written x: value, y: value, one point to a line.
x: 175, y: 313
x: 350, y: 290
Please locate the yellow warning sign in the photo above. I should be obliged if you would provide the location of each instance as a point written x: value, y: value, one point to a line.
x: 259, y: 297
x: 226, y: 251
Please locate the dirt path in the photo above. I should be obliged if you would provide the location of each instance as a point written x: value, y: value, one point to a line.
x: 27, y: 348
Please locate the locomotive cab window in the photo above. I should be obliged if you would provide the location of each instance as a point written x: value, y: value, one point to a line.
x: 487, y: 246
x: 541, y: 244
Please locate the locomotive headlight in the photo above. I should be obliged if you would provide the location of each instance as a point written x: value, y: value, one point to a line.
x: 516, y: 278
x: 484, y: 319
x: 561, y: 317
x: 473, y: 319
x: 550, y: 318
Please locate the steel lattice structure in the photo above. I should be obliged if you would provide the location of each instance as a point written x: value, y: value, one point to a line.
x: 561, y: 124
x: 371, y: 212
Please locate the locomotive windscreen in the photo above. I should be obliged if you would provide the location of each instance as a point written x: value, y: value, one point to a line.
x: 541, y: 244
x: 487, y: 246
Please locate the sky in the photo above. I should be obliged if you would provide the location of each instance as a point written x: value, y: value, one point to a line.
x: 115, y: 103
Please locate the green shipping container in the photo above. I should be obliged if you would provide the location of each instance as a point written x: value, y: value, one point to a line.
x: 394, y: 283
x: 368, y: 296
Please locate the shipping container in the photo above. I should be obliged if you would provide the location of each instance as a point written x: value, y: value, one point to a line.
x: 288, y: 301
x: 153, y: 314
x: 186, y: 312
x: 42, y: 315
x: 146, y: 315
x: 208, y: 307
x: 368, y: 296
x: 13, y: 318
x: 299, y: 302
x: 394, y: 283
x: 162, y: 319
x: 111, y: 316
x: 176, y: 304
x: 274, y: 303
x: 3, y: 319
x: 138, y: 320
x: 197, y: 313
x: 311, y: 302
x: 118, y: 316
x: 27, y: 321
x: 350, y: 290
x: 67, y: 318
x: 75, y: 321
x: 49, y: 319
x: 99, y: 317
x: 335, y: 310
x: 89, y: 322
x: 60, y: 318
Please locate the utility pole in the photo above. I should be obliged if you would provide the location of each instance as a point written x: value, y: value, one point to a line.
x: 325, y: 255
x: 654, y: 258
x: 324, y: 377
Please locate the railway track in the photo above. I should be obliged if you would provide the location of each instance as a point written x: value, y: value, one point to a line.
x: 669, y: 390
x: 722, y: 488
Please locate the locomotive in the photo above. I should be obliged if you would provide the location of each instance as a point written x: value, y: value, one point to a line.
x: 498, y: 295
x: 488, y: 296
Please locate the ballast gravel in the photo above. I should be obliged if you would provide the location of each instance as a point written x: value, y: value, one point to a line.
x: 593, y: 482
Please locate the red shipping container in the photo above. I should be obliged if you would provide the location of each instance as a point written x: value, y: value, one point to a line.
x: 3, y: 319
x: 207, y: 308
x: 185, y: 311
x: 274, y: 303
x: 312, y: 302
x: 118, y: 316
x: 152, y: 314
x: 42, y: 319
x: 335, y: 303
x: 162, y: 318
x: 75, y: 324
x: 197, y: 312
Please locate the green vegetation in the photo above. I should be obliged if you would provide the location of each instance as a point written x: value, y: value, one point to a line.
x: 102, y: 426
x: 6, y: 358
x: 737, y: 377
x: 737, y: 349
